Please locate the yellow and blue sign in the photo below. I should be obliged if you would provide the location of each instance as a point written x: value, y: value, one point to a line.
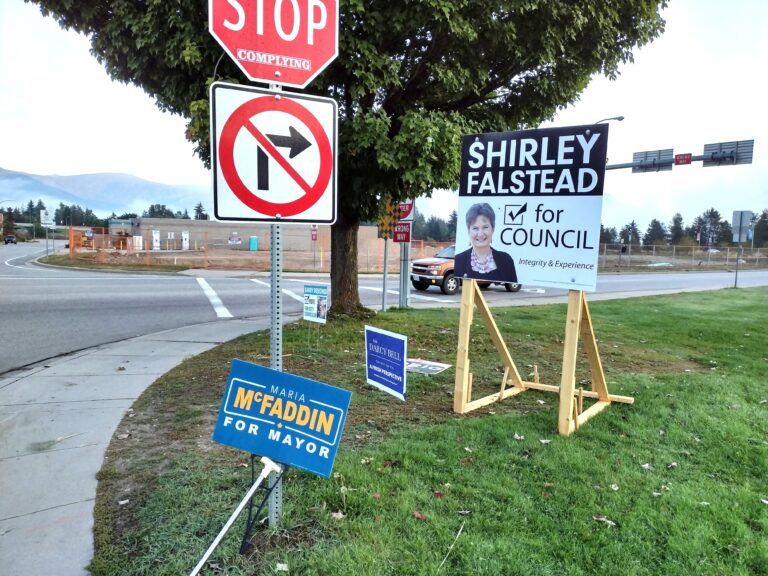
x: 385, y: 354
x: 290, y: 419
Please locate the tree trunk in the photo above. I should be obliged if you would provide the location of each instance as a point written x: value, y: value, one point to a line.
x: 345, y: 297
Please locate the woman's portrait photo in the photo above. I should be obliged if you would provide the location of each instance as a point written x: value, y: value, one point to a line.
x: 481, y: 261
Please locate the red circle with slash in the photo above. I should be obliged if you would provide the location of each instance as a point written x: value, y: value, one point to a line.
x: 241, y: 118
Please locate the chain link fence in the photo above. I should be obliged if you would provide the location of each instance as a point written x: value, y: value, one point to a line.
x: 615, y: 256
x: 312, y: 254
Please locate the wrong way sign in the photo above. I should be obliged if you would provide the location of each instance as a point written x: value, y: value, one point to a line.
x: 273, y: 155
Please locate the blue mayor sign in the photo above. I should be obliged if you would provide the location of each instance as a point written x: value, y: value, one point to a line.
x: 290, y: 419
x: 530, y: 204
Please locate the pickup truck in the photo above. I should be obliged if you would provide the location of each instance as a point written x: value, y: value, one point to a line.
x: 438, y: 271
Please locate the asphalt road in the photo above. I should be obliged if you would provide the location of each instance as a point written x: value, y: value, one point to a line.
x: 46, y: 312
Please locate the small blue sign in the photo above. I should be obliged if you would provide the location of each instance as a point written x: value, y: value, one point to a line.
x: 385, y: 354
x: 290, y: 419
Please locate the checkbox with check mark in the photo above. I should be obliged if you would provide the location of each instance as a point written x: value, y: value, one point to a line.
x: 513, y: 213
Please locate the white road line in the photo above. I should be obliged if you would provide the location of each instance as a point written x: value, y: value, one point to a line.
x: 213, y: 298
x: 28, y: 255
x: 396, y: 292
x: 305, y: 282
x: 416, y: 296
x: 107, y: 277
x: 286, y: 292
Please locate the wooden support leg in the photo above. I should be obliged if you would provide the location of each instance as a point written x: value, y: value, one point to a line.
x: 461, y: 388
x: 593, y: 355
x: 565, y: 422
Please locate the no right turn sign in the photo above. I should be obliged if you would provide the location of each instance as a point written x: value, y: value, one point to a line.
x: 274, y: 155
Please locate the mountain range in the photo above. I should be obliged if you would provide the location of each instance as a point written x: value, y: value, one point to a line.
x: 102, y: 193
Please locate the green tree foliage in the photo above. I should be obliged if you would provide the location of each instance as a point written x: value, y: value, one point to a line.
x: 711, y: 229
x: 77, y: 216
x: 436, y: 229
x: 200, y: 213
x: 453, y: 220
x: 411, y: 78
x: 419, y: 226
x: 159, y: 211
x: 760, y: 230
x: 655, y: 234
x: 8, y: 222
x: 676, y: 229
x: 630, y: 234
x: 608, y: 235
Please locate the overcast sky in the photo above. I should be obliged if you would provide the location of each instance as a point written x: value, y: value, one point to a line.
x: 701, y: 82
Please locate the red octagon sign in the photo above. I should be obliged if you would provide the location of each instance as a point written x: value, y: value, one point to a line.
x: 277, y: 41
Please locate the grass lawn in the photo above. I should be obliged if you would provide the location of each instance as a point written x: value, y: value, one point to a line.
x: 676, y: 484
x: 90, y: 261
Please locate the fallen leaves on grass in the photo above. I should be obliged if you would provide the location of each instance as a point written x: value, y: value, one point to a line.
x: 420, y: 516
x: 544, y: 441
x: 337, y: 515
x: 518, y: 437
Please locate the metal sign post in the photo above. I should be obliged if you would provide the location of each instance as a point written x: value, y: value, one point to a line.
x: 242, y: 193
x: 404, y: 263
x: 740, y: 225
x: 274, y: 481
x: 384, y: 287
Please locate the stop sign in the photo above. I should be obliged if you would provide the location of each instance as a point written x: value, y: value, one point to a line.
x: 277, y: 41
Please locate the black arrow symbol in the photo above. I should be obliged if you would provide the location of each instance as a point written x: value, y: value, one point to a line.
x: 295, y: 141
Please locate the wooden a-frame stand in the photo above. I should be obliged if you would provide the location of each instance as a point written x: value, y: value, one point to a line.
x: 578, y: 323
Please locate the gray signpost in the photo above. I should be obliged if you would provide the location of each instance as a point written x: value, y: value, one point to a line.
x: 274, y: 480
x: 740, y: 224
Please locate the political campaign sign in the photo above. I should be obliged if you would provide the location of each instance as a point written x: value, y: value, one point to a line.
x: 385, y: 354
x: 529, y: 206
x: 315, y: 303
x: 290, y: 419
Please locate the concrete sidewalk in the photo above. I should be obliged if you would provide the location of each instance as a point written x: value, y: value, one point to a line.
x: 56, y: 421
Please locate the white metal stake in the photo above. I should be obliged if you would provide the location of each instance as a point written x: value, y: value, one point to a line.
x: 269, y: 467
